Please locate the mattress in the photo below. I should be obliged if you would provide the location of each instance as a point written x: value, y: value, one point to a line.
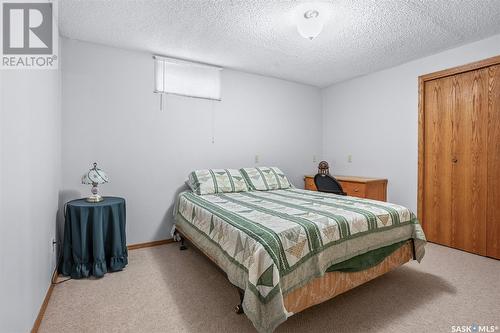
x: 270, y: 243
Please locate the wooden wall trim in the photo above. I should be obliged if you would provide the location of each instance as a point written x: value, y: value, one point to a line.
x: 45, y: 303
x: 421, y: 116
x: 420, y: 186
x: 43, y: 308
x: 462, y: 69
x: 149, y: 244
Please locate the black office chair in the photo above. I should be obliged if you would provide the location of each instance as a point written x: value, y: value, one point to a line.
x: 328, y: 184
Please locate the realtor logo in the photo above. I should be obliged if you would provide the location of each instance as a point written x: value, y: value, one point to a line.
x: 29, y: 35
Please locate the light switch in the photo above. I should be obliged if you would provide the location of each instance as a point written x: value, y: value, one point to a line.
x: 256, y: 158
x: 349, y: 158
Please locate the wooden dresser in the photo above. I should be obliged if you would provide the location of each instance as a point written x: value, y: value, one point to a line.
x: 361, y: 187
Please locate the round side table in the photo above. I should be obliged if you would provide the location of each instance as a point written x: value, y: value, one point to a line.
x: 94, y: 238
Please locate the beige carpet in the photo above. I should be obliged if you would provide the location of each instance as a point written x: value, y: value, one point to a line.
x: 166, y: 290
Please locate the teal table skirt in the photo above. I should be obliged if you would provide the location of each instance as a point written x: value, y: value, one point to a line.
x: 94, y: 238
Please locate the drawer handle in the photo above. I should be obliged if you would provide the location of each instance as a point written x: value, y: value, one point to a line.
x: 356, y: 190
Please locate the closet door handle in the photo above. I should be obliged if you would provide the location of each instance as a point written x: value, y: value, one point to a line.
x: 454, y: 160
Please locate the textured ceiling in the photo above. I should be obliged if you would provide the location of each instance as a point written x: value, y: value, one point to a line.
x: 260, y: 36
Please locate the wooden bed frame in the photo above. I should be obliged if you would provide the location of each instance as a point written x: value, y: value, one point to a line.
x: 329, y: 285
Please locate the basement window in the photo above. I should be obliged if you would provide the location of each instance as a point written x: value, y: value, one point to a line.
x: 185, y: 78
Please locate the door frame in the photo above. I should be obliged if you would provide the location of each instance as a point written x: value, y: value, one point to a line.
x: 421, y: 117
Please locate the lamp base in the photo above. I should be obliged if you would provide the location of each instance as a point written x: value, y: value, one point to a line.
x: 94, y: 198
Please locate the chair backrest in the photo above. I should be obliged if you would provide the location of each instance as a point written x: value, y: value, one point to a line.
x: 327, y: 183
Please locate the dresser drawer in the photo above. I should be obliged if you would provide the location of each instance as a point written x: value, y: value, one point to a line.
x: 354, y: 189
x: 309, y: 184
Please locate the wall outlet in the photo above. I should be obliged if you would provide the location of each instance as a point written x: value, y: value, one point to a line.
x: 349, y: 158
x: 256, y: 159
x: 54, y: 245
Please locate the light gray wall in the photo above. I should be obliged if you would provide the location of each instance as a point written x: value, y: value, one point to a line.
x: 374, y: 119
x: 111, y: 115
x: 30, y: 176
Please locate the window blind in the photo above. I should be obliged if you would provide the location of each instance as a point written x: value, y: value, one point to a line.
x: 174, y: 76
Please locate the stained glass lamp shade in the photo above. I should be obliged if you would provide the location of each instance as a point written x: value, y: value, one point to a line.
x: 94, y: 177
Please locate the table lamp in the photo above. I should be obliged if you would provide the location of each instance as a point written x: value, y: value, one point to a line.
x: 95, y: 176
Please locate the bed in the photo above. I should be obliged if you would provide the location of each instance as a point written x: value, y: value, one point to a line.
x: 289, y: 249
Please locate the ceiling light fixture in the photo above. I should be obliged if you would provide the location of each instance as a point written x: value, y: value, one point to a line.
x: 310, y: 21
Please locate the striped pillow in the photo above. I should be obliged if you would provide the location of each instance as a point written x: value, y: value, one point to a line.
x: 211, y: 181
x: 265, y: 178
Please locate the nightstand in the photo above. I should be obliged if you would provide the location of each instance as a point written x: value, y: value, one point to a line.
x: 94, y: 238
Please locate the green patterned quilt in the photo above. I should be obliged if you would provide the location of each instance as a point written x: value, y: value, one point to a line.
x: 272, y: 242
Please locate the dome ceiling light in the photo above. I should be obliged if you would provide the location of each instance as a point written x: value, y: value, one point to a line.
x: 310, y: 20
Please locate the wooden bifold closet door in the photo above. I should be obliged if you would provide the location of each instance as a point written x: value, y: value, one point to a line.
x: 459, y: 159
x: 493, y: 152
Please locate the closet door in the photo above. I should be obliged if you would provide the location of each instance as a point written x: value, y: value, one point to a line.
x: 469, y: 160
x: 493, y: 210
x: 437, y: 218
x: 459, y: 157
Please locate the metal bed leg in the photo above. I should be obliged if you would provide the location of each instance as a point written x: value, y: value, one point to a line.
x: 239, y: 308
x: 183, y: 246
x: 413, y: 249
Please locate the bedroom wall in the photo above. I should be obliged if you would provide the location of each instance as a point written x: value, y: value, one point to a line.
x: 374, y: 119
x: 30, y: 174
x: 111, y: 115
